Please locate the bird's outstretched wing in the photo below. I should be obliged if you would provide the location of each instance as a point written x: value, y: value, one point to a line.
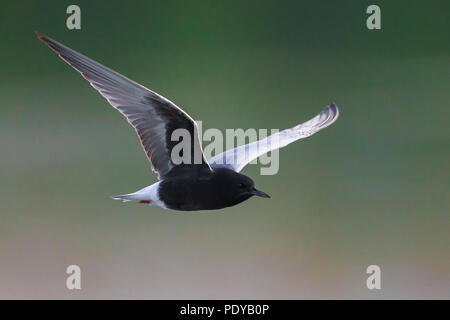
x: 153, y: 116
x: 237, y: 158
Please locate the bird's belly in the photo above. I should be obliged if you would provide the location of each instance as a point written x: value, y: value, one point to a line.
x: 189, y: 196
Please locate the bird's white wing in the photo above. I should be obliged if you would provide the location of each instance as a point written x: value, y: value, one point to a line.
x: 237, y: 158
x: 153, y: 116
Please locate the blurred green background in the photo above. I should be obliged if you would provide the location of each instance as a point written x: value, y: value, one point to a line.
x: 371, y: 189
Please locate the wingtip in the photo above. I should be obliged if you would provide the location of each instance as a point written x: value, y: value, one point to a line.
x: 38, y: 34
x: 333, y: 106
x: 52, y: 44
x: 331, y: 112
x: 42, y: 37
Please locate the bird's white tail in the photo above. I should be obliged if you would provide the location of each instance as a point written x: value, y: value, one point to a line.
x: 128, y: 197
x: 148, y: 195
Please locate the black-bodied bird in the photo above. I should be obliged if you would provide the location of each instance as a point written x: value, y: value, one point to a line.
x: 190, y: 185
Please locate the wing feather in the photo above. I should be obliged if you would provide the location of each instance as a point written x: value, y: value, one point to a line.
x: 237, y: 158
x: 153, y: 116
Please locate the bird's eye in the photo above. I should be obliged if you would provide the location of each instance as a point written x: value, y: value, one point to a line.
x: 241, y: 185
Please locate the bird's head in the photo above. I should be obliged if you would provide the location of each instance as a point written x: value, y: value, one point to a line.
x: 238, y: 187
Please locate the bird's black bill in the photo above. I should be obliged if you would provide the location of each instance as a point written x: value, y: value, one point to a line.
x: 259, y: 193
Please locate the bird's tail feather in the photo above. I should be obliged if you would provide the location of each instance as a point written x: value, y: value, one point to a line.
x: 144, y: 195
x: 127, y: 197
